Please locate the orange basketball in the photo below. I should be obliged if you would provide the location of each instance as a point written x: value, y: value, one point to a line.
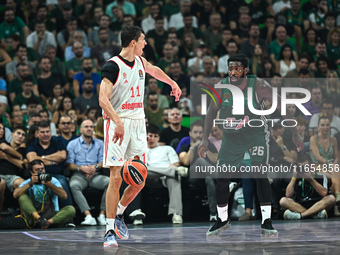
x: 134, y: 172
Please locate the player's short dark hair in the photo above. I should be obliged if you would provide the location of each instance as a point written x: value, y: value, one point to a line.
x: 130, y: 33
x: 153, y: 129
x: 239, y: 57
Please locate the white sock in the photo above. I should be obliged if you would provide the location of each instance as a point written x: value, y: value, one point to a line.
x: 266, y: 211
x: 120, y: 209
x: 223, y: 212
x: 110, y: 224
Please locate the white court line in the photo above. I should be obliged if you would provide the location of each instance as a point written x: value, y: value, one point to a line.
x: 35, y: 237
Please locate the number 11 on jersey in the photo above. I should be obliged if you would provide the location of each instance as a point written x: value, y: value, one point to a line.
x: 133, y: 93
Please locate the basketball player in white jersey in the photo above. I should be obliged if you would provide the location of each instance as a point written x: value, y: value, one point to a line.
x: 121, y: 98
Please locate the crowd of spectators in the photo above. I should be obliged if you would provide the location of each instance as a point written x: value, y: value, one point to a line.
x: 51, y: 53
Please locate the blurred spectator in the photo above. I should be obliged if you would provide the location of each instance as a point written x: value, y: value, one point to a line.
x: 153, y: 112
x: 85, y: 159
x: 4, y: 60
x: 221, y: 49
x: 75, y: 121
x: 322, y: 67
x: 33, y: 118
x: 157, y: 37
x: 66, y: 36
x: 13, y: 42
x: 40, y: 38
x: 88, y: 71
x: 210, y: 6
x: 302, y: 128
x: 44, y: 116
x: 104, y: 50
x: 117, y: 25
x: 327, y: 109
x: 84, y: 11
x: 65, y: 130
x: 3, y: 87
x: 241, y: 33
x: 93, y: 37
x: 16, y: 7
x: 189, y: 28
x: 169, y: 57
x: 267, y: 32
x: 309, y: 42
x: 128, y: 20
x: 27, y: 92
x: 286, y: 61
x: 64, y: 107
x: 54, y: 100
x: 92, y: 114
x: 152, y: 86
x: 276, y: 45
x: 77, y: 36
x: 165, y: 118
x: 180, y: 78
x: 12, y: 25
x: 277, y: 82
x: 232, y: 49
x: 333, y: 46
x: 15, y: 88
x: 175, y: 132
x: 314, y: 105
x: 255, y: 62
x: 74, y: 65
x: 87, y: 99
x: 242, y: 8
x: 143, y: 9
x: 176, y: 20
x: 94, y: 23
x: 295, y: 16
x: 329, y: 25
x: 185, y: 104
x: 267, y: 69
x: 170, y: 8
x: 16, y: 119
x: 188, y: 48
x: 128, y: 8
x: 62, y: 15
x: 148, y: 23
x: 316, y: 18
x: 303, y: 63
x: 53, y: 153
x: 213, y: 33
x: 39, y: 207
x: 57, y: 66
x: 247, y: 48
x: 309, y: 6
x: 209, y: 69
x: 332, y: 90
x: 21, y: 58
x: 258, y: 10
x: 47, y: 79
x: 42, y: 15
x: 281, y: 6
x: 164, y: 171
x: 99, y: 129
x: 195, y: 64
x: 320, y: 50
x: 309, y: 198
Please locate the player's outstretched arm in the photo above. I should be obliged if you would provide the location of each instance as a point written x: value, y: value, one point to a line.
x: 158, y: 73
x: 104, y: 92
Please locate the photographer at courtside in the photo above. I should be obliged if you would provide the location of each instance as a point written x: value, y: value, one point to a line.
x: 38, y: 198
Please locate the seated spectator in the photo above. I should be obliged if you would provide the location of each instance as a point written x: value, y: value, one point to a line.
x: 327, y: 109
x: 45, y: 117
x: 168, y: 58
x: 316, y: 18
x: 4, y: 60
x: 65, y: 105
x: 157, y: 37
x: 286, y: 60
x: 332, y: 90
x: 247, y: 48
x: 64, y: 37
x: 87, y: 99
x: 164, y: 171
x: 128, y: 8
x: 47, y: 79
x: 213, y: 34
x: 44, y: 210
x: 4, y: 116
x: 27, y: 93
x: 77, y: 36
x: 314, y: 105
x: 21, y: 58
x: 52, y: 153
x: 104, y: 23
x: 152, y: 86
x: 330, y: 23
x: 42, y: 15
x: 258, y: 56
x: 309, y: 42
x: 311, y: 199
x: 13, y: 41
x: 148, y: 23
x: 16, y: 119
x: 65, y: 130
x: 104, y: 50
x: 88, y: 71
x: 303, y: 63
x: 333, y: 46
x: 40, y: 38
x: 85, y: 159
x: 267, y: 69
x: 94, y: 23
x: 117, y: 25
x: 54, y: 100
x: 195, y: 64
x: 221, y: 49
x: 176, y: 20
x: 241, y: 33
x: 153, y: 112
x: 62, y: 15
x: 175, y: 132
x: 232, y: 49
x: 187, y: 48
x: 281, y: 6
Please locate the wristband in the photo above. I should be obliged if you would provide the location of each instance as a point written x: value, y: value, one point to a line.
x: 293, y: 178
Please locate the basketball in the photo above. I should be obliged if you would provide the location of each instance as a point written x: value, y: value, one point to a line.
x: 134, y: 172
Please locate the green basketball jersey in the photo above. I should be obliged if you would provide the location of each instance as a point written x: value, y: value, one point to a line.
x: 239, y: 123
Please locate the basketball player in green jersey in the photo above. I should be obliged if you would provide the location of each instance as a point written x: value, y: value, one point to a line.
x: 241, y: 138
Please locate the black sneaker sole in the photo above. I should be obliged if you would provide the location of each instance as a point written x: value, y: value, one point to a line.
x: 269, y: 232
x: 218, y: 231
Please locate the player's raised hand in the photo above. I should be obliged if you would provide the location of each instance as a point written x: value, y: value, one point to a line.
x: 119, y: 133
x: 176, y: 92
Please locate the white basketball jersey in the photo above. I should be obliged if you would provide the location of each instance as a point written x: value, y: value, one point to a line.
x: 128, y: 91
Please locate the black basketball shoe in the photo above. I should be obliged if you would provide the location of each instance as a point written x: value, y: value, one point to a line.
x: 218, y: 227
x: 267, y: 229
